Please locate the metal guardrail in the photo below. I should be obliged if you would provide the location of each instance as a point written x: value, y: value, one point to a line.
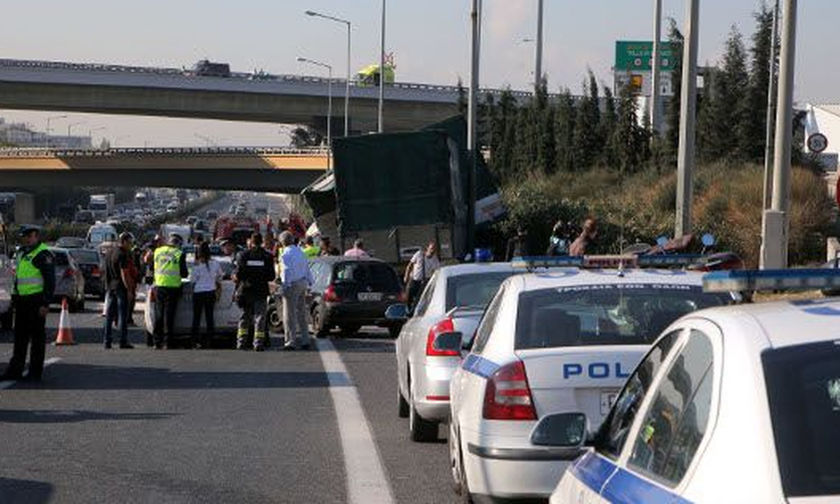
x: 255, y: 76
x: 33, y: 152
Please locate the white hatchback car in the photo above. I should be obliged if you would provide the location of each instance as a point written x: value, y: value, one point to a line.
x: 560, y: 341
x: 453, y: 300
x: 737, y: 404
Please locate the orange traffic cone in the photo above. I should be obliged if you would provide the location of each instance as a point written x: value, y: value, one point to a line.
x: 65, y: 334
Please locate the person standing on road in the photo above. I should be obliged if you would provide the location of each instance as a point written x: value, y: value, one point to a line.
x: 206, y: 278
x: 421, y: 267
x: 33, y: 288
x: 296, y: 279
x: 358, y: 249
x: 254, y: 269
x: 120, y: 287
x: 170, y: 267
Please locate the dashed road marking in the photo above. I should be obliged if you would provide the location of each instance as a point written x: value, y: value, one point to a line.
x: 366, y: 481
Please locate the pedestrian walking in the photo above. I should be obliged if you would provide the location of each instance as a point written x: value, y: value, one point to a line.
x: 585, y: 239
x: 32, y: 291
x: 254, y: 269
x: 420, y: 269
x: 296, y: 279
x: 206, y: 278
x: 170, y: 267
x: 120, y: 286
x: 358, y: 249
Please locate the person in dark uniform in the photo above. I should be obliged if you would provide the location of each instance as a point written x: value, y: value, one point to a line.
x: 254, y: 269
x: 33, y: 289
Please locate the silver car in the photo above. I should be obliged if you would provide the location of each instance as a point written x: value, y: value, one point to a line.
x: 69, y: 280
x: 453, y: 301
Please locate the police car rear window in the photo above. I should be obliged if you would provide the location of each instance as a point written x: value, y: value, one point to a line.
x: 803, y: 389
x: 626, y: 314
x: 474, y: 289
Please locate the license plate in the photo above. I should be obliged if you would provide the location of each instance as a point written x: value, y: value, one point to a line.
x: 607, y: 400
x: 370, y: 296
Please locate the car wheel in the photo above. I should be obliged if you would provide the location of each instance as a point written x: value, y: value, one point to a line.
x: 422, y: 431
x: 402, y: 404
x: 319, y: 325
x: 349, y: 331
x: 275, y: 320
x: 456, y: 459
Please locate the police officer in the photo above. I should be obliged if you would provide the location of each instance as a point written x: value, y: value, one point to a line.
x: 170, y: 266
x: 254, y: 269
x: 32, y: 291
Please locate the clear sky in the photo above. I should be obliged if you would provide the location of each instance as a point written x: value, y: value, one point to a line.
x: 429, y: 39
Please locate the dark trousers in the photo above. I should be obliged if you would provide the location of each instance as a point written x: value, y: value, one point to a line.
x: 116, y: 308
x: 203, y: 301
x: 29, y: 328
x: 166, y: 304
x: 414, y: 288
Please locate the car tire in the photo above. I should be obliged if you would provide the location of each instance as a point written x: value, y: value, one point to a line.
x: 275, y: 319
x: 422, y: 431
x: 319, y: 326
x: 350, y: 330
x: 456, y: 458
x: 402, y: 404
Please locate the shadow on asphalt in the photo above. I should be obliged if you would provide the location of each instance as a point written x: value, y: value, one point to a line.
x: 31, y: 492
x: 71, y: 416
x: 61, y: 376
x: 364, y: 345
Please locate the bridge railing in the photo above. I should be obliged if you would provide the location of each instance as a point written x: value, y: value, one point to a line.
x: 32, y: 152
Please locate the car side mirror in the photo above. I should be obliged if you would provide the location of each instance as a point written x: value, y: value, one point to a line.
x: 564, y: 430
x: 448, y: 342
x: 397, y: 312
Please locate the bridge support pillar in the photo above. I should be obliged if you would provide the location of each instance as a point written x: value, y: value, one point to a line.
x: 24, y: 208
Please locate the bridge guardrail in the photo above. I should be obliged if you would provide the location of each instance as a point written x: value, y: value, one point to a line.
x: 23, y: 152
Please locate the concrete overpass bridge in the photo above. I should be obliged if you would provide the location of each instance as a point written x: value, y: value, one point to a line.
x: 256, y: 169
x: 255, y: 97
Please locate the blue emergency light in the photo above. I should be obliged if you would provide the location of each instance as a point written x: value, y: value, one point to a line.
x: 670, y: 261
x: 771, y: 280
x: 608, y: 261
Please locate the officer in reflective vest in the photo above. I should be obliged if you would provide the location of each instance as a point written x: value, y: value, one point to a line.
x: 254, y: 269
x: 32, y: 291
x: 170, y: 266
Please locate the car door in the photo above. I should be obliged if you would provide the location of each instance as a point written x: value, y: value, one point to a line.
x: 584, y: 480
x: 671, y: 426
x: 407, y: 340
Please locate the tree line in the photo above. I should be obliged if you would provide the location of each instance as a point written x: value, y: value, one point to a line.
x: 567, y: 133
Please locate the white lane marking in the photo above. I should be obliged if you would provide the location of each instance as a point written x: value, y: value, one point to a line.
x: 366, y: 481
x: 8, y: 383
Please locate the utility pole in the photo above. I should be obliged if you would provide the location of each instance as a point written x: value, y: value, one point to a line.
x: 775, y: 224
x: 538, y: 74
x: 381, y: 127
x: 472, y: 142
x: 688, y: 106
x: 771, y: 97
x: 655, y: 68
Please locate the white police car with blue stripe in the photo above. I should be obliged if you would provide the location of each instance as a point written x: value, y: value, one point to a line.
x: 564, y: 340
x: 737, y: 404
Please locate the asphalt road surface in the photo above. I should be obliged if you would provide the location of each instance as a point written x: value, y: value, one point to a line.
x: 197, y: 426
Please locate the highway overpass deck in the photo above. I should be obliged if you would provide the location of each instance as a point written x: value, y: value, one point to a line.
x: 257, y: 169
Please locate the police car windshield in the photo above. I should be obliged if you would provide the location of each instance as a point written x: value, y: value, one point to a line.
x: 803, y: 389
x: 619, y: 314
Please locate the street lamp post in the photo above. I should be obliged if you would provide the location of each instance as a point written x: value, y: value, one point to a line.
x: 771, y: 101
x: 47, y: 135
x: 329, y: 94
x: 380, y: 122
x: 539, y: 51
x: 688, y: 106
x: 655, y: 68
x: 472, y: 140
x: 347, y: 87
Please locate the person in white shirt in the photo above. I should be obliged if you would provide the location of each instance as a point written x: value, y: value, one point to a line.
x: 419, y: 270
x: 206, y: 278
x: 296, y: 279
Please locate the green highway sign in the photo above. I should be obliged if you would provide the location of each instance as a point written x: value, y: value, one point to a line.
x: 637, y: 56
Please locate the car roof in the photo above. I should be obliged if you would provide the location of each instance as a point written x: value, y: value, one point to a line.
x: 472, y: 268
x: 784, y: 323
x: 576, y: 276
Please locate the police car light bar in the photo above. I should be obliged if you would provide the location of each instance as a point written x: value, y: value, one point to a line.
x: 771, y: 280
x: 607, y: 261
x: 676, y: 260
x: 532, y: 263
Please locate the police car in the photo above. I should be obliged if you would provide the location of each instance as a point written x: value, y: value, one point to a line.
x: 738, y: 404
x: 562, y: 340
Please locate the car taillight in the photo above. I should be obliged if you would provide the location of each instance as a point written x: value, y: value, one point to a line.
x: 68, y: 273
x: 508, y: 396
x: 444, y: 326
x: 94, y: 271
x: 330, y: 295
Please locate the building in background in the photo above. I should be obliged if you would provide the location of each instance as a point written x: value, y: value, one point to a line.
x: 21, y: 135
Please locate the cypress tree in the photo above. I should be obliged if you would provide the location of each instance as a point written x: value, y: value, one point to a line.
x: 755, y: 106
x: 728, y: 92
x: 564, y: 131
